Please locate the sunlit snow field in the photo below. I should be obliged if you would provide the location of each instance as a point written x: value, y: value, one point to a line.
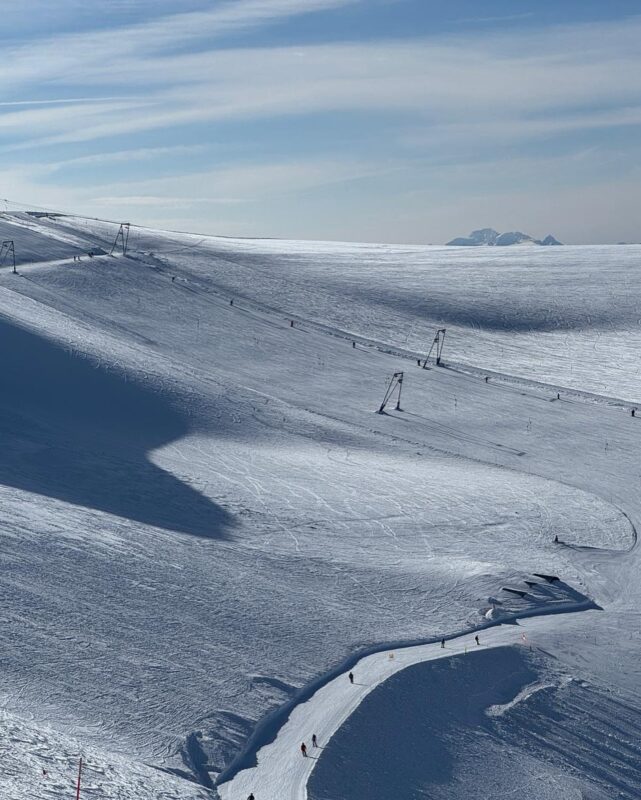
x: 200, y: 511
x: 563, y: 315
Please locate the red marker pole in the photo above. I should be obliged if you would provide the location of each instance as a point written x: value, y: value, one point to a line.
x: 79, y: 776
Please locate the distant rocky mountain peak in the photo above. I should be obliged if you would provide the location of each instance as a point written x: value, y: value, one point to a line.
x: 488, y: 237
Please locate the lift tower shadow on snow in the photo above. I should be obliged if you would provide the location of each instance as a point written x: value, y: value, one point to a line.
x: 122, y: 239
x: 395, y: 384
x: 438, y: 343
x: 8, y: 252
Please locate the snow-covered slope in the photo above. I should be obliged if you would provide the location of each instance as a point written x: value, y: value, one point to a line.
x: 482, y: 725
x: 568, y: 316
x: 201, y: 515
x: 40, y: 762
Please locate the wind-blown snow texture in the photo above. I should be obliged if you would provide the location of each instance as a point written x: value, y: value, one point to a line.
x: 201, y: 514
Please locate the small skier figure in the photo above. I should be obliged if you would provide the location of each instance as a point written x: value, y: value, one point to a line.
x: 476, y: 639
x: 173, y: 278
x: 556, y: 539
x: 291, y: 323
x: 314, y: 740
x: 251, y: 797
x: 231, y: 302
x: 558, y: 395
x: 486, y: 379
x: 351, y: 677
x: 353, y: 345
x: 442, y: 644
x: 303, y: 749
x: 634, y: 412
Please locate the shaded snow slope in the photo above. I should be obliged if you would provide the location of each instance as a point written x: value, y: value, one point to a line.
x: 96, y: 427
x: 496, y: 723
x: 201, y: 514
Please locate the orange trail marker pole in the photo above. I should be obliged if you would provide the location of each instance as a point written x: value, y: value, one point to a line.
x: 79, y: 777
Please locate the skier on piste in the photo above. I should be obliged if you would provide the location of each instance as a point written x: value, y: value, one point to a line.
x: 303, y: 749
x: 351, y: 677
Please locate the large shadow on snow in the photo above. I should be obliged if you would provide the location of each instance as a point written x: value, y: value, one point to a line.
x: 409, y: 734
x: 79, y: 433
x: 502, y: 722
x: 497, y: 309
x: 527, y: 297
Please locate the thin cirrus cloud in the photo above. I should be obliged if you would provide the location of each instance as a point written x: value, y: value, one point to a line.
x: 101, y: 50
x: 508, y: 130
x: 125, y: 156
x: 448, y: 95
x: 53, y: 101
x: 443, y: 80
x: 247, y: 183
x: 237, y: 184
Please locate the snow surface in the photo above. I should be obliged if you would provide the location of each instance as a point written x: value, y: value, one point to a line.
x: 416, y: 734
x: 429, y: 733
x: 566, y: 316
x: 203, y: 519
x: 40, y: 762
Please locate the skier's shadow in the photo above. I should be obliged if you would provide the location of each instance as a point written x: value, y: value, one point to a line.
x: 80, y: 433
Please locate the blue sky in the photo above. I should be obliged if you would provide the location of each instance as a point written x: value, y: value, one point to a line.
x: 394, y: 120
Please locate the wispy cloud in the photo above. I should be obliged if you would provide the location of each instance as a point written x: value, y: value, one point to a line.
x: 102, y: 49
x: 244, y: 182
x: 510, y: 128
x: 126, y: 156
x: 448, y: 80
x: 61, y: 101
x: 498, y: 18
x: 129, y: 90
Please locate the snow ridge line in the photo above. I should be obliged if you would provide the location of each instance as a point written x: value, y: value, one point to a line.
x: 266, y: 731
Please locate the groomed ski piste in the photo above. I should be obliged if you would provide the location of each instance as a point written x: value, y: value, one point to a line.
x: 206, y: 525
